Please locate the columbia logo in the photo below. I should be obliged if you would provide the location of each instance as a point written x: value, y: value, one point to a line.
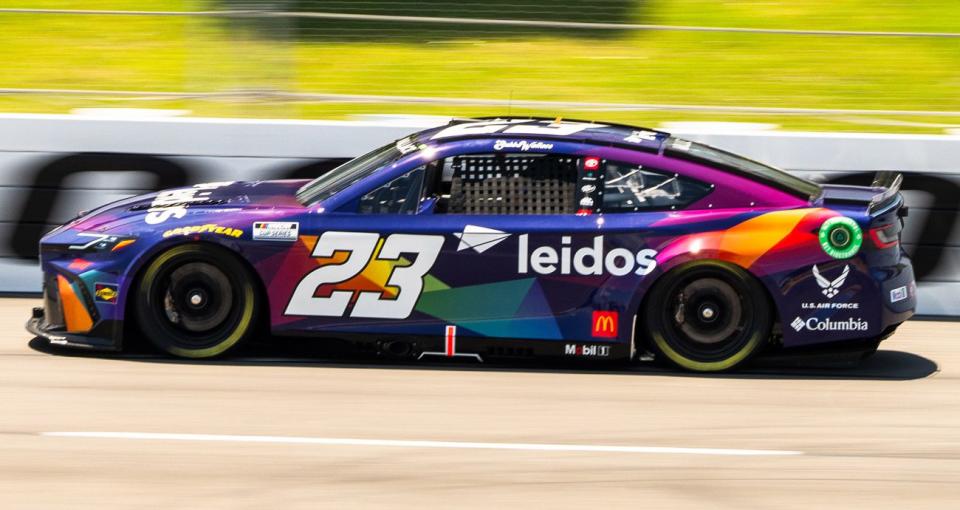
x: 797, y: 324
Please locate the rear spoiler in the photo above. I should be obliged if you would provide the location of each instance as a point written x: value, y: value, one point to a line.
x: 891, y: 182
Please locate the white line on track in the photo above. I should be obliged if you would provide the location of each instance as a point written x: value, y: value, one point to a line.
x: 330, y: 441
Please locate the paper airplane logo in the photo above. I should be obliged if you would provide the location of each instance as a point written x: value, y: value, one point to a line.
x: 480, y: 239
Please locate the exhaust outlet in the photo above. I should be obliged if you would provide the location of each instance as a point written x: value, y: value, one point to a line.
x: 395, y: 348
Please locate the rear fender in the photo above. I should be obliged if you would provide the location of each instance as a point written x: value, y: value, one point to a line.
x: 771, y: 286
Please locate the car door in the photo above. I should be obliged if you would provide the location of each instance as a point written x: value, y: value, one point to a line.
x: 510, y: 216
x: 484, y: 237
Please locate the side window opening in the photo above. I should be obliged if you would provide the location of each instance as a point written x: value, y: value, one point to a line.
x: 629, y: 188
x: 399, y: 196
x: 508, y: 184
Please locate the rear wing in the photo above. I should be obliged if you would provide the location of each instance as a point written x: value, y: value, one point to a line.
x: 890, y: 182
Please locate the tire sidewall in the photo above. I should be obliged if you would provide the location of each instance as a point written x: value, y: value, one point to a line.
x: 235, y: 270
x: 755, y: 302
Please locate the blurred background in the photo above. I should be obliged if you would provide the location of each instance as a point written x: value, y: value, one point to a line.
x: 831, y: 90
x: 638, y: 61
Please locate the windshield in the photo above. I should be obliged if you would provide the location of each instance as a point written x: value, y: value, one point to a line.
x: 711, y: 155
x: 343, y: 176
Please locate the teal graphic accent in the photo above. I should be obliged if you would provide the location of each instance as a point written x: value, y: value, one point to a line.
x: 487, y: 301
x: 501, y: 309
x: 535, y: 303
x: 542, y: 328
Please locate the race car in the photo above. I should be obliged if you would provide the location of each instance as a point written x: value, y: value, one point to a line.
x: 495, y: 238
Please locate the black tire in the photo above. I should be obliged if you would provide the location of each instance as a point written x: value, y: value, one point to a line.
x: 708, y: 316
x: 196, y: 301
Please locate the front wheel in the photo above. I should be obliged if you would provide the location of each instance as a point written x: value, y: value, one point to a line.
x: 708, y: 316
x: 196, y: 301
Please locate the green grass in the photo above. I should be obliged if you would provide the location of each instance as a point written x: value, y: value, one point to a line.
x: 188, y: 54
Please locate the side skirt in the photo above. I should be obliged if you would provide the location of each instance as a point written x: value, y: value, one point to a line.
x: 477, y: 349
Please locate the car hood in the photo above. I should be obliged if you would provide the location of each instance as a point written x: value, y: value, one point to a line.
x: 180, y: 203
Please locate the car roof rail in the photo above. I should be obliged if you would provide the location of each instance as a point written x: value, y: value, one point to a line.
x: 563, y: 119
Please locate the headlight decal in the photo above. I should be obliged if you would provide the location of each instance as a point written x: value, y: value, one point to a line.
x: 100, y: 242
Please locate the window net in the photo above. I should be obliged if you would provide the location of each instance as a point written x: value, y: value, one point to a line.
x: 513, y: 184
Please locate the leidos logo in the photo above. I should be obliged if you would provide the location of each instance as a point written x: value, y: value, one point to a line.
x: 605, y: 324
x: 588, y: 260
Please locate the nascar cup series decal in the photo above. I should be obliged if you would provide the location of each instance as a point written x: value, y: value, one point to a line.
x: 276, y: 231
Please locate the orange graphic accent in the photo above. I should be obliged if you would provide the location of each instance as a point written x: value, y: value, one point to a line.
x: 743, y: 244
x: 121, y: 244
x: 774, y: 234
x: 605, y: 324
x: 373, y: 278
x: 309, y: 242
x: 338, y: 257
x: 74, y: 313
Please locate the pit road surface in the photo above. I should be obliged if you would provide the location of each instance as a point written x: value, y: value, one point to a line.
x: 883, y: 435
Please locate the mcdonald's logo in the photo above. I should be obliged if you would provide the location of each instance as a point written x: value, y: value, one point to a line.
x: 605, y: 324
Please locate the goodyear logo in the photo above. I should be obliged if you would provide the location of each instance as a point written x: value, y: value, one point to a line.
x: 106, y: 293
x: 209, y: 228
x: 605, y: 324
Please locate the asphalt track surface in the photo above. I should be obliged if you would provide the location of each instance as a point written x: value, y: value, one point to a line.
x: 141, y: 431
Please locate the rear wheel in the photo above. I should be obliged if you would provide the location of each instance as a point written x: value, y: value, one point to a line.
x: 196, y: 301
x: 708, y: 316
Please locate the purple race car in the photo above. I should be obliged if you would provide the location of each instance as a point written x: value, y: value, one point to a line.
x: 494, y: 238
